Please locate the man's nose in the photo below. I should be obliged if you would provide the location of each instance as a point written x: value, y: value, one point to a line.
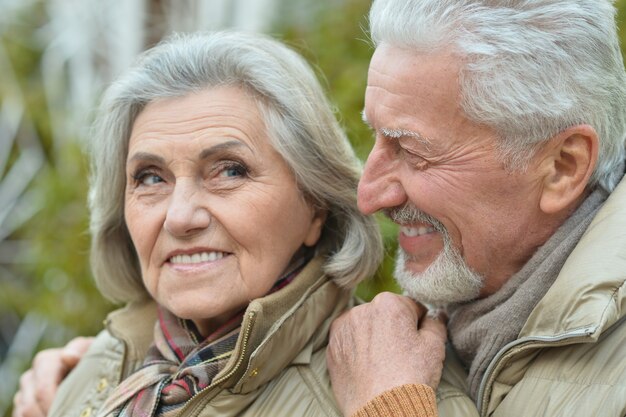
x: 187, y: 213
x: 380, y: 187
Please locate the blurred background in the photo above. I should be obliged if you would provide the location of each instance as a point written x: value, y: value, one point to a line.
x: 56, y: 57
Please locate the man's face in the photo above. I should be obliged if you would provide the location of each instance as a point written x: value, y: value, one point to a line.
x: 430, y: 159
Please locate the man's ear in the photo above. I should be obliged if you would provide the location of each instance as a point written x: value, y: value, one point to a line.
x: 568, y: 162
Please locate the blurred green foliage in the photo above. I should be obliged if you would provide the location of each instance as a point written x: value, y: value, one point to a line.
x: 53, y: 273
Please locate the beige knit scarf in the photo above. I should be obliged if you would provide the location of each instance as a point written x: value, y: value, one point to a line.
x: 479, y: 329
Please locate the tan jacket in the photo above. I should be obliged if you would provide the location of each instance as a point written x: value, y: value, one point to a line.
x: 278, y: 369
x: 570, y: 357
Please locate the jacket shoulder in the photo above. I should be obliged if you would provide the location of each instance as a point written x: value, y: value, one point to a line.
x: 302, y: 389
x: 89, y: 384
x: 573, y: 380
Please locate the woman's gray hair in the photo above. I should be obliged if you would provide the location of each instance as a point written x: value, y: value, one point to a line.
x: 300, y: 123
x: 530, y: 68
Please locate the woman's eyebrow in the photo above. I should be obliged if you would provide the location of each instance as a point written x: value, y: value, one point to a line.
x: 208, y: 152
x: 147, y: 157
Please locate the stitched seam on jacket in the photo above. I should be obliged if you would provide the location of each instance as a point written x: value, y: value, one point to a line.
x: 612, y: 328
x: 614, y: 299
x: 315, y: 386
x: 620, y: 320
x: 582, y: 384
x: 443, y: 397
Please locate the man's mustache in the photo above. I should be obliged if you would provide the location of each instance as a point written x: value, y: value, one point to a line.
x: 409, y: 214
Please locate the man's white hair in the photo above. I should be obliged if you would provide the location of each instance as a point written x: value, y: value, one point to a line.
x: 531, y: 68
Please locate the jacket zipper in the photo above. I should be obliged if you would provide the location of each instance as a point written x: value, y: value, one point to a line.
x: 244, y: 346
x: 518, y: 346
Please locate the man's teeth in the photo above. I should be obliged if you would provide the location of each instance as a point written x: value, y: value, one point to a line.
x: 416, y: 231
x: 197, y: 258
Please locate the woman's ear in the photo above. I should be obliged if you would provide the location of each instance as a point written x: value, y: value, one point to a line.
x: 316, y: 227
x: 568, y: 163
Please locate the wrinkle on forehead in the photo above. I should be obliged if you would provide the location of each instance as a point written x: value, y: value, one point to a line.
x: 217, y: 113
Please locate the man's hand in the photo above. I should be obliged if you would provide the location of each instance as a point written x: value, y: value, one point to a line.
x: 386, y: 343
x: 39, y: 384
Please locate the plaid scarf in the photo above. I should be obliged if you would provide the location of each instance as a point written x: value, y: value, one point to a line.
x: 179, y: 364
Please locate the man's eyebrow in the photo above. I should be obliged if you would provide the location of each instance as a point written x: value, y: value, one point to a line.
x: 399, y: 133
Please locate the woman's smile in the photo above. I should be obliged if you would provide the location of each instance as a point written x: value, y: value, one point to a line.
x: 198, y: 261
x: 196, y: 258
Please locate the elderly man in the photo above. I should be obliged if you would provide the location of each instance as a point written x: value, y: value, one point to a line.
x: 500, y: 144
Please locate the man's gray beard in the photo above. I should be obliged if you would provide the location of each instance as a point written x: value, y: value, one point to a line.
x: 448, y: 279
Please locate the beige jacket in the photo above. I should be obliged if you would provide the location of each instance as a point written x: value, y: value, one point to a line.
x: 278, y: 369
x: 570, y: 357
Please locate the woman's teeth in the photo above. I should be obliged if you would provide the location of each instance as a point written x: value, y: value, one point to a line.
x: 197, y: 258
x: 416, y: 231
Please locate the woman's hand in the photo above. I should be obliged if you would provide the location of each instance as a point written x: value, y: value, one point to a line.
x: 383, y: 344
x: 39, y: 384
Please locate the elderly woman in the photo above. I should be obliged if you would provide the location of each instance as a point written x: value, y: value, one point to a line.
x: 223, y: 212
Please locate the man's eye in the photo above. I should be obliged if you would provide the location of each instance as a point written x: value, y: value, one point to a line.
x: 414, y: 160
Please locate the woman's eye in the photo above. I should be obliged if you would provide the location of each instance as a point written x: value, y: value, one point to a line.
x: 147, y: 178
x: 233, y: 171
x: 151, y: 179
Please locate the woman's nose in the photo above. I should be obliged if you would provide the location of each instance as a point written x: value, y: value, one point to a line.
x: 380, y: 186
x: 187, y: 213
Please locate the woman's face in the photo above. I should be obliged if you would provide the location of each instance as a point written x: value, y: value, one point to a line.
x: 213, y: 210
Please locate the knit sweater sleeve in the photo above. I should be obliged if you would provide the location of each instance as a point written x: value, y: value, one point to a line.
x: 411, y: 400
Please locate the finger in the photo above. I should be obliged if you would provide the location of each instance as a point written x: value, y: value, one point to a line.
x: 436, y: 326
x: 388, y: 301
x: 27, y: 410
x: 340, y: 338
x: 416, y: 307
x: 49, y: 370
x: 74, y: 350
x: 422, y: 309
x: 25, y: 403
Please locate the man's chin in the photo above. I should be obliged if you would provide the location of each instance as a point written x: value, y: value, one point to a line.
x: 447, y: 280
x: 416, y: 268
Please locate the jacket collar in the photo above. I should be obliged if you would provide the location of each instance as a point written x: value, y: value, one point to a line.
x: 134, y: 325
x: 589, y: 294
x: 289, y: 326
x: 281, y: 328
